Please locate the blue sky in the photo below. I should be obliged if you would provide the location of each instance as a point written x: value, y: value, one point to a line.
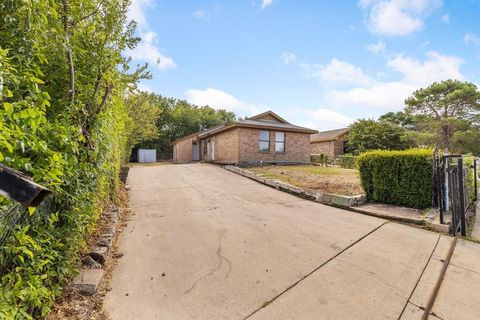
x: 320, y: 64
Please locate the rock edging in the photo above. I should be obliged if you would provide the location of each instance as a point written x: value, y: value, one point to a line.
x: 321, y: 197
x: 91, y: 273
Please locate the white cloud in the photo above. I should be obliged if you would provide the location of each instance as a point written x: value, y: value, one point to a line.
x: 145, y: 87
x: 208, y: 12
x: 377, y: 48
x: 445, y: 18
x: 391, y: 95
x: 219, y: 99
x: 382, y: 95
x: 472, y: 38
x: 199, y: 14
x: 338, y: 71
x: 288, y: 57
x: 397, y: 17
x: 147, y: 51
x: 437, y: 67
x: 136, y: 11
x: 266, y: 3
x: 326, y: 119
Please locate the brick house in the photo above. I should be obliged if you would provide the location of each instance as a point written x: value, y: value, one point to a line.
x: 331, y: 143
x: 262, y: 138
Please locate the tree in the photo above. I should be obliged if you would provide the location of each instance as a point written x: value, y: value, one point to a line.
x: 179, y: 118
x: 368, y: 134
x: 448, y: 106
x: 400, y: 118
x: 144, y: 112
x: 63, y: 80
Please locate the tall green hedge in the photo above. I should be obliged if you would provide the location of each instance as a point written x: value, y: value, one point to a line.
x: 63, y: 121
x: 398, y: 177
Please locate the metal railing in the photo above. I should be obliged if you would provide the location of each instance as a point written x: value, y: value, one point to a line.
x: 452, y: 190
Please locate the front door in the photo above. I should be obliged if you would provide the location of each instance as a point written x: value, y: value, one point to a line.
x: 195, y: 151
x: 212, y: 147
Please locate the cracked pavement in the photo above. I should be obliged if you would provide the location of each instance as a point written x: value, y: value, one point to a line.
x: 205, y: 243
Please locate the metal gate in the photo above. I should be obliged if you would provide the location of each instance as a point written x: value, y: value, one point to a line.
x: 452, y: 189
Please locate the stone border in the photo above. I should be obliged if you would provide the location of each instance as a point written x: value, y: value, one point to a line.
x: 321, y: 197
x: 91, y: 273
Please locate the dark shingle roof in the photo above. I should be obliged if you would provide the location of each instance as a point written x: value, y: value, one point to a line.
x: 249, y: 123
x: 328, y: 135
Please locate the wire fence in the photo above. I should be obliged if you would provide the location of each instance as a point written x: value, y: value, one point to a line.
x: 15, y: 215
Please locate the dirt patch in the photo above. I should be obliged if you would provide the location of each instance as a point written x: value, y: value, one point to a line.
x: 73, y: 306
x: 314, y: 178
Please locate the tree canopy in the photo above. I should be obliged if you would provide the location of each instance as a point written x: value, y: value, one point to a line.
x: 63, y: 121
x: 447, y: 107
x: 368, y: 134
x: 178, y: 118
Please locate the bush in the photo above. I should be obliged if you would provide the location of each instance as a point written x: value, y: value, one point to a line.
x: 319, y: 158
x: 346, y: 161
x: 469, y: 178
x: 398, y: 177
x: 67, y: 130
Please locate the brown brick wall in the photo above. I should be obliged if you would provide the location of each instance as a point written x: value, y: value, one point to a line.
x: 182, y: 150
x: 338, y: 147
x: 327, y: 148
x: 297, y: 147
x: 226, y: 146
x: 332, y: 149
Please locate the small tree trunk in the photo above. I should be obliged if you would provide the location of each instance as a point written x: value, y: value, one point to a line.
x: 68, y: 52
x: 446, y: 137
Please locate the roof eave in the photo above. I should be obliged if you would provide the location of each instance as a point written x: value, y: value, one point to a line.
x: 240, y: 125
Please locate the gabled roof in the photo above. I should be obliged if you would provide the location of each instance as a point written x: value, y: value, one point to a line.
x: 192, y: 135
x: 328, y: 135
x: 259, y: 123
x: 268, y: 113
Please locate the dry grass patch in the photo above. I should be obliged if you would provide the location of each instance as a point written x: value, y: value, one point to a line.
x: 325, y: 179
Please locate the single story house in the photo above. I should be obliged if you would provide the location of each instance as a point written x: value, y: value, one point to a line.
x: 331, y: 143
x: 266, y: 137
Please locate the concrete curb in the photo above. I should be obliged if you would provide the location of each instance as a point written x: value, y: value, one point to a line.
x: 345, y: 202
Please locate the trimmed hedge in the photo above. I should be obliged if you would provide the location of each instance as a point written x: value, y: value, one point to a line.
x: 398, y: 177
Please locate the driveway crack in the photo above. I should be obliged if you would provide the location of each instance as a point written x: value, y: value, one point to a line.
x: 397, y: 291
x: 221, y: 258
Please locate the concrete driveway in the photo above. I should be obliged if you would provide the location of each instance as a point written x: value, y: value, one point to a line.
x: 205, y: 243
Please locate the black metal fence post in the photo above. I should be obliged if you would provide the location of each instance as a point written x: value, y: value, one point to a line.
x: 461, y: 196
x: 475, y: 177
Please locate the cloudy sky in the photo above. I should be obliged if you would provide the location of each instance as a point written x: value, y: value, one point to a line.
x: 320, y: 64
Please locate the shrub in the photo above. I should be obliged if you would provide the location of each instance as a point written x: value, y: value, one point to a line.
x: 469, y: 178
x: 319, y: 158
x: 398, y: 177
x: 346, y: 161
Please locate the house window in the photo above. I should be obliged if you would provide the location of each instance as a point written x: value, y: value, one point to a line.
x: 279, y: 141
x: 205, y: 147
x: 264, y: 141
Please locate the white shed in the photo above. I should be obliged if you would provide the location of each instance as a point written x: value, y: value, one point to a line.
x: 147, y: 155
